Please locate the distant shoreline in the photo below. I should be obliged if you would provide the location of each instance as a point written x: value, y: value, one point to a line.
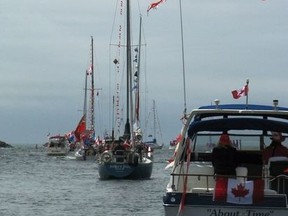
x: 4, y: 145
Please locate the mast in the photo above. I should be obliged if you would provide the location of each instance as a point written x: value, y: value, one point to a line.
x: 137, y: 77
x: 154, y: 120
x: 127, y: 131
x: 113, y: 104
x: 183, y: 60
x: 85, y: 97
x: 92, y: 117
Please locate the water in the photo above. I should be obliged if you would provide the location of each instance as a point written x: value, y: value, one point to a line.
x: 35, y: 184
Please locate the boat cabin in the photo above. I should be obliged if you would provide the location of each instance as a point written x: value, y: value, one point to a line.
x: 249, y: 128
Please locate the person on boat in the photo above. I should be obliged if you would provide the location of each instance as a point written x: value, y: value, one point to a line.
x: 276, y: 148
x: 224, y: 156
x: 119, y: 151
x: 127, y: 145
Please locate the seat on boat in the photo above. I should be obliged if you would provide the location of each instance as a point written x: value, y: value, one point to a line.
x: 269, y: 192
x: 241, y: 174
x: 252, y: 160
x: 277, y: 167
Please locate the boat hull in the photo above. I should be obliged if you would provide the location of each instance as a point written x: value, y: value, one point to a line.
x: 196, y: 210
x: 114, y: 170
x: 202, y: 204
x: 57, y: 153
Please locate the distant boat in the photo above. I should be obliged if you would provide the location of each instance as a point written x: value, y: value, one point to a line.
x: 85, y: 130
x: 151, y: 140
x: 57, y: 146
x: 85, y: 144
x: 126, y: 157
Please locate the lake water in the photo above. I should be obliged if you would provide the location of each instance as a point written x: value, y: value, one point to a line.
x: 33, y: 183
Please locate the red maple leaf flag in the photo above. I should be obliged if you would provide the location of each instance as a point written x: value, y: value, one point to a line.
x: 233, y: 191
x: 81, y: 128
x: 241, y: 92
x: 155, y: 5
x: 240, y: 191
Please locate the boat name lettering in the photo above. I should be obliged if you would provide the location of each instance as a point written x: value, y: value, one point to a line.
x: 221, y: 212
x: 119, y: 167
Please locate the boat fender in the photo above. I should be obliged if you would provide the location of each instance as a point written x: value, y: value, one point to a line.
x: 106, y: 157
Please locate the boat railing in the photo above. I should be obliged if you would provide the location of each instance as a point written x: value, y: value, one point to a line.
x: 278, y: 184
x: 205, y: 186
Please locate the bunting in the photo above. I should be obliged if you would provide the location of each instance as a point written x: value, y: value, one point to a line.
x: 90, y: 70
x: 182, y: 203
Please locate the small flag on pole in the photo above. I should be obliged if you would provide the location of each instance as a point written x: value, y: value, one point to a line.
x: 240, y: 92
x: 155, y: 5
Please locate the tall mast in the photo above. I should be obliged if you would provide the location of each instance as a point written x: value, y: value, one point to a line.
x: 137, y: 75
x: 127, y: 131
x: 92, y: 120
x: 183, y: 60
x: 85, y: 96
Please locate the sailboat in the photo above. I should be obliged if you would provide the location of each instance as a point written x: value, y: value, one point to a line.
x: 151, y: 140
x: 85, y: 131
x: 127, y: 157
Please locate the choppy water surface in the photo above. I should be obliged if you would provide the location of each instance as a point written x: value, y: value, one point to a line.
x: 33, y: 183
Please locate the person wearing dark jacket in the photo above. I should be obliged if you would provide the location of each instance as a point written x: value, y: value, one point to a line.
x: 276, y: 148
x: 224, y: 157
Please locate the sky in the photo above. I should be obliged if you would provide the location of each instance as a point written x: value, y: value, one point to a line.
x: 45, y: 48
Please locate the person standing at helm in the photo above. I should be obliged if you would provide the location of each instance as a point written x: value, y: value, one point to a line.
x: 224, y: 156
x: 276, y: 148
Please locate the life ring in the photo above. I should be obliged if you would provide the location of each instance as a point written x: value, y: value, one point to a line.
x: 106, y: 157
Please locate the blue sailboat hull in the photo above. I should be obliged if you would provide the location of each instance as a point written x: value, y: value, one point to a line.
x: 114, y: 170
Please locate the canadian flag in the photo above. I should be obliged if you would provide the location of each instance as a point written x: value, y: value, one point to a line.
x: 233, y: 191
x: 241, y: 92
x: 81, y: 128
x: 155, y: 5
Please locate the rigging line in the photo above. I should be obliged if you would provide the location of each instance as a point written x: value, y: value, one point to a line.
x: 183, y: 58
x: 114, y: 20
x: 118, y: 65
x: 158, y: 122
x: 111, y: 108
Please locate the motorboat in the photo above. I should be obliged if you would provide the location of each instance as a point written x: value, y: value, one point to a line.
x: 57, y: 146
x: 256, y: 188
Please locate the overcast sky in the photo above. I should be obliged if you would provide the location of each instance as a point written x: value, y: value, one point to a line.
x: 44, y: 49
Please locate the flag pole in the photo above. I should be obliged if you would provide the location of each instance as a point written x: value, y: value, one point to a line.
x: 246, y: 92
